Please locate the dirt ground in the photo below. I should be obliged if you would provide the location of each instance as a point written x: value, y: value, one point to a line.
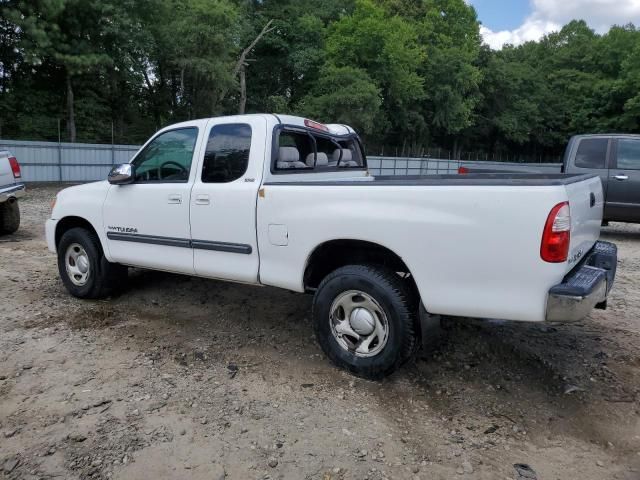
x: 188, y: 378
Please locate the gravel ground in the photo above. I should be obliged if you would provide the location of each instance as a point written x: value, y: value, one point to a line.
x: 181, y: 377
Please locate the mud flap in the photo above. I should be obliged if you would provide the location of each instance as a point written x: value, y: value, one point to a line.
x: 431, y: 331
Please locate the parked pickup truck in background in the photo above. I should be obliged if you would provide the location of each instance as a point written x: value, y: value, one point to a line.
x: 616, y: 159
x: 288, y: 202
x: 10, y: 190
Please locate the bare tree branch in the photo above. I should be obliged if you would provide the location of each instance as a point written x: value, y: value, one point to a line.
x: 239, y: 69
x: 243, y: 56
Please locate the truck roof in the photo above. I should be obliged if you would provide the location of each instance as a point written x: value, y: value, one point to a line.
x: 600, y: 135
x: 292, y: 120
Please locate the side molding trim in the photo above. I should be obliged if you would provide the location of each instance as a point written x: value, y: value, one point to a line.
x: 240, y: 248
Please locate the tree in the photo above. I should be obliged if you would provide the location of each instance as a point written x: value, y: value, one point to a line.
x: 450, y: 30
x: 288, y: 61
x: 242, y: 63
x: 408, y: 74
x: 384, y: 47
x: 189, y: 67
x: 65, y: 32
x: 344, y: 95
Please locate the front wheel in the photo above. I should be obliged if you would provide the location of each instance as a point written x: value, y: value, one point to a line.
x: 83, y: 268
x: 365, y: 320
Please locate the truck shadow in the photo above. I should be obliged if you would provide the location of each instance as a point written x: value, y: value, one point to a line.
x: 621, y: 231
x: 550, y: 381
x: 497, y: 377
x: 21, y: 235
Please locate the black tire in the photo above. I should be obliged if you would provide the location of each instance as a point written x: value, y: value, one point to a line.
x: 392, y: 295
x: 9, y: 216
x: 104, y: 277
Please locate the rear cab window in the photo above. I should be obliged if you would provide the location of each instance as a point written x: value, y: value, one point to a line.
x: 300, y: 150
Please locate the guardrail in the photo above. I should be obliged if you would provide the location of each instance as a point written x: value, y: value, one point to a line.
x: 85, y: 162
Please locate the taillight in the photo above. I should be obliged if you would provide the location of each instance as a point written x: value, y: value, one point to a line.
x: 463, y: 170
x: 15, y: 167
x: 557, y: 234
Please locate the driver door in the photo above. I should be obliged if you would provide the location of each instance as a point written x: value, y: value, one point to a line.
x: 147, y: 222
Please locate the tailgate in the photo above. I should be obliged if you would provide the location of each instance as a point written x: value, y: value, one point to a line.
x: 586, y: 200
x: 6, y: 175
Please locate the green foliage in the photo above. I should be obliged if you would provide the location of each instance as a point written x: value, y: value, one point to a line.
x: 49, y: 31
x: 344, y: 95
x: 386, y: 47
x: 408, y: 74
x: 451, y: 31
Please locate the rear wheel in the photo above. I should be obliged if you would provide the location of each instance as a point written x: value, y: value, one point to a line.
x: 83, y: 268
x: 364, y: 320
x: 9, y: 216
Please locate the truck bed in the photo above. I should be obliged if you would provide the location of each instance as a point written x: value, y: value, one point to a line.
x: 473, y: 241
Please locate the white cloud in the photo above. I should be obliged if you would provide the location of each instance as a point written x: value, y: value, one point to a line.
x: 550, y: 15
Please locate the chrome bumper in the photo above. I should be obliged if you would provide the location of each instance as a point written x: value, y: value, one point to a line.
x: 585, y: 287
x: 12, y: 191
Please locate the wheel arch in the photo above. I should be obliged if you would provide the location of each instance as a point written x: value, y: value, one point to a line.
x: 333, y: 254
x: 67, y: 223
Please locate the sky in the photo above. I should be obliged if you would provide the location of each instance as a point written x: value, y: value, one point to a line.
x: 518, y: 21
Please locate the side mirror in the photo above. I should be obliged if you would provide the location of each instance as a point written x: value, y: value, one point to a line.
x: 122, y: 174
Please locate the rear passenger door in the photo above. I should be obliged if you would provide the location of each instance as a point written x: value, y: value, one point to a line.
x: 623, y: 195
x: 223, y: 199
x: 593, y: 155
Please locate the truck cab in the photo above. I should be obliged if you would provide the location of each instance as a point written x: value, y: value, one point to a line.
x: 616, y: 159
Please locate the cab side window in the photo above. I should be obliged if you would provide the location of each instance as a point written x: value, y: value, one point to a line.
x: 592, y: 153
x: 167, y: 158
x: 227, y: 156
x: 628, y: 156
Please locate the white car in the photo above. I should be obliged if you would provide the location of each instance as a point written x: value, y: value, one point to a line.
x: 11, y: 189
x: 288, y: 202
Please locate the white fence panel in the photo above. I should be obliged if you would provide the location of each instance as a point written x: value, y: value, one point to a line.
x: 67, y: 162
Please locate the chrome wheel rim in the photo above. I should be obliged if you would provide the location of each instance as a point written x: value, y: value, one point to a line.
x: 358, y: 323
x: 77, y: 264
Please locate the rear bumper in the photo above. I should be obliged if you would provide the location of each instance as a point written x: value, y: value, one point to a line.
x: 585, y: 287
x: 11, y: 191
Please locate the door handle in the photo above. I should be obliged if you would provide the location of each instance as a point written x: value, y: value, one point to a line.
x: 202, y: 199
x: 174, y: 198
x: 621, y: 177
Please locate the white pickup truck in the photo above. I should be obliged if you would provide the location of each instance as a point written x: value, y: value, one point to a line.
x: 288, y: 202
x: 11, y: 189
